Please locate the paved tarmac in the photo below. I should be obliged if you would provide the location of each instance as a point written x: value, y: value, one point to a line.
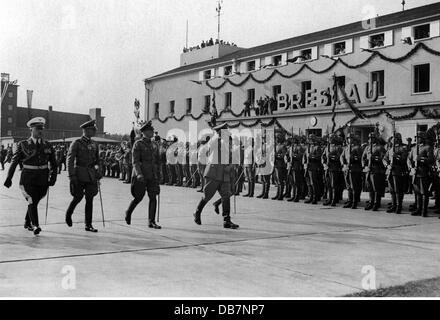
x: 281, y: 250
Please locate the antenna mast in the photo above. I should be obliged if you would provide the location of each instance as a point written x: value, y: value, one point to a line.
x: 219, y: 10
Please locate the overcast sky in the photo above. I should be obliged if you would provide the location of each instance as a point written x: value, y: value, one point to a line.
x: 81, y: 54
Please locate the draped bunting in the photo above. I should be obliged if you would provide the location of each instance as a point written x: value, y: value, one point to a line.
x: 429, y: 114
x: 373, y: 55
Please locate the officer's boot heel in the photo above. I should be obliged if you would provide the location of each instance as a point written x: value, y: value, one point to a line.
x: 198, y: 213
x: 393, y: 207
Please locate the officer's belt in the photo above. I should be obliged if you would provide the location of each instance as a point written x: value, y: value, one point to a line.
x: 28, y: 167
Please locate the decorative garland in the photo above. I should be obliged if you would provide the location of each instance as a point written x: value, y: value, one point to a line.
x: 426, y: 113
x: 374, y: 54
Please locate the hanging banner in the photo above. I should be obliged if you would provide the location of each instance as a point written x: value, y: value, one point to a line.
x: 29, y: 94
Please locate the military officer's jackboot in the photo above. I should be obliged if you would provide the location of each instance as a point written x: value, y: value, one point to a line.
x: 417, y: 209
x: 228, y: 224
x: 425, y: 206
x: 350, y: 201
x: 278, y: 193
x: 217, y: 206
x: 288, y: 190
x: 329, y: 198
x: 399, y: 203
x: 266, y: 190
x: 90, y: 228
x: 371, y: 204
x: 263, y: 189
x: 198, y: 213
x: 335, y: 197
x: 27, y: 223
x: 377, y: 202
x: 152, y: 215
x: 129, y: 212
x: 393, y: 207
x: 252, y: 187
x: 310, y: 195
x: 281, y: 196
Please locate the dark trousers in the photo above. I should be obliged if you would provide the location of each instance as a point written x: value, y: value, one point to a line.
x: 80, y: 190
x: 224, y: 189
x: 33, y: 195
x: 316, y: 184
x: 138, y: 190
x: 355, y: 186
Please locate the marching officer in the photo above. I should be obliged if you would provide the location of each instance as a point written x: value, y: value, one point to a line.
x: 35, y: 154
x: 397, y: 172
x: 313, y: 168
x: 331, y: 162
x: 351, y: 160
x: 375, y: 170
x: 293, y: 159
x: 420, y: 161
x: 261, y: 164
x: 145, y: 178
x: 218, y: 177
x: 84, y: 170
x: 280, y: 173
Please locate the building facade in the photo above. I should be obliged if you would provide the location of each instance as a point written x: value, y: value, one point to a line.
x: 59, y: 125
x: 389, y: 68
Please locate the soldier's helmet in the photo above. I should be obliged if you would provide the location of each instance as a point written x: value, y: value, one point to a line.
x: 421, y: 136
x: 312, y: 138
x: 296, y: 139
x: 398, y: 138
x: 337, y: 140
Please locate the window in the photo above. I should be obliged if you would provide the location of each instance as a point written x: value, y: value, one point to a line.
x: 306, y: 54
x: 251, y: 66
x: 316, y: 132
x: 207, y: 103
x: 422, y: 78
x: 10, y: 107
x: 228, y: 100
x: 9, y: 133
x: 277, y: 60
x: 339, y: 48
x: 422, y: 127
x: 156, y: 111
x: 379, y: 77
x: 228, y: 70
x: 306, y: 85
x: 341, y: 81
x: 422, y: 32
x: 251, y: 96
x: 207, y: 75
x: 10, y: 94
x: 188, y: 106
x: 276, y: 90
x: 377, y: 41
x: 9, y: 120
x: 172, y: 105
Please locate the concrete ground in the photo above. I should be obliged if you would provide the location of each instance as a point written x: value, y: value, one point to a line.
x: 281, y: 250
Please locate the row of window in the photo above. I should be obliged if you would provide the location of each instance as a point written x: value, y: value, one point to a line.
x: 374, y: 41
x: 421, y: 84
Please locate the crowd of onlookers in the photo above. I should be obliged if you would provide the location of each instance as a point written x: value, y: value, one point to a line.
x: 5, y: 155
x: 208, y: 43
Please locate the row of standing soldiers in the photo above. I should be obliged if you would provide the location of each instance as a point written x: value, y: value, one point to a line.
x: 318, y: 169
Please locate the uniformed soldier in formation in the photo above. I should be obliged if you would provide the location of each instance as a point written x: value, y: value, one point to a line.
x: 351, y: 160
x: 249, y: 166
x: 331, y: 159
x: 218, y: 179
x: 85, y: 172
x: 295, y: 168
x: 202, y: 157
x: 280, y: 173
x: 375, y: 171
x: 314, y: 169
x: 39, y: 171
x: 436, y: 175
x: 146, y: 165
x: 420, y: 160
x: 260, y: 161
x: 397, y: 172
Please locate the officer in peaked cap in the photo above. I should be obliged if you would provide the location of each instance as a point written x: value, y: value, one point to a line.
x: 146, y: 175
x: 218, y: 177
x: 84, y: 171
x: 39, y: 170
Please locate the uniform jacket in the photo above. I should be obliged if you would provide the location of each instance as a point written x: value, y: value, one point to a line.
x: 83, y: 162
x: 146, y: 159
x: 332, y: 158
x: 398, y: 160
x: 215, y: 170
x: 423, y: 161
x: 374, y: 159
x: 28, y: 153
x: 352, y: 159
x: 294, y: 157
x: 312, y: 158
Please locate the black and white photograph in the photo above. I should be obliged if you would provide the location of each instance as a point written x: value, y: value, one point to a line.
x: 220, y: 150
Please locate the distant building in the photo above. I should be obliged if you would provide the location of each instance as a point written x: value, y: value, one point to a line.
x: 402, y: 80
x: 59, y: 125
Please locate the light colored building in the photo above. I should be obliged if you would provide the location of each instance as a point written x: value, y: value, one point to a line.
x: 397, y: 54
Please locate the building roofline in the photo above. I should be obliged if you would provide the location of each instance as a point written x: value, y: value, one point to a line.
x: 384, y: 22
